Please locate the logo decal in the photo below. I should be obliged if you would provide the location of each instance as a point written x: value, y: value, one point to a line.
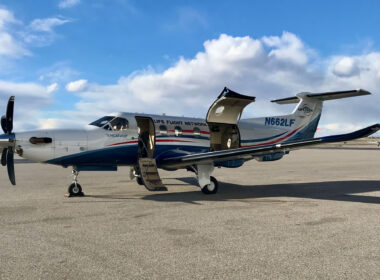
x: 306, y: 110
x: 116, y: 135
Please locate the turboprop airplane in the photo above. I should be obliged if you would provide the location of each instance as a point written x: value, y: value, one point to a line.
x: 148, y: 142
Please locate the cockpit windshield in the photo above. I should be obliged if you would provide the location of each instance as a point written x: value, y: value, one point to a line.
x: 102, y: 121
x: 111, y: 123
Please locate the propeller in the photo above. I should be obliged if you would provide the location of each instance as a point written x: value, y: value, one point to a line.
x: 7, y: 141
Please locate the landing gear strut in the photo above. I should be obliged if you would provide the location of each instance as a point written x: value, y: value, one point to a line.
x: 208, y: 184
x: 75, y: 189
x: 135, y: 173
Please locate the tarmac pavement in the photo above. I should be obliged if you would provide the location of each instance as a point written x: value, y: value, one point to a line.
x: 313, y: 215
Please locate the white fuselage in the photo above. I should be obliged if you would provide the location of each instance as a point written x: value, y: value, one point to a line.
x: 100, y: 146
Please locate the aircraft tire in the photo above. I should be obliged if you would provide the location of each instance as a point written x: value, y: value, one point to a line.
x: 75, y: 190
x: 139, y: 181
x: 211, y: 188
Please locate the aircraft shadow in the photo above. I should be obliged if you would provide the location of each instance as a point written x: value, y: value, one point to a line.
x: 336, y: 190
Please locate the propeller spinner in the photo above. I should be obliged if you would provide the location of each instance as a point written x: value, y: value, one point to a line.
x: 7, y: 141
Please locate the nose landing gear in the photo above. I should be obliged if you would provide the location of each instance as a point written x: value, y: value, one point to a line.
x: 75, y: 189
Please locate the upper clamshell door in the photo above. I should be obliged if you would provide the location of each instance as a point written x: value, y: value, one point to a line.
x: 228, y: 107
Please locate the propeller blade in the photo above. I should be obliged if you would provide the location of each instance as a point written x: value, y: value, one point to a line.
x: 4, y: 157
x: 9, y: 114
x: 10, y: 166
x: 4, y: 124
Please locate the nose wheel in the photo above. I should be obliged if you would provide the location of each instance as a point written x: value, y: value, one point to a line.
x: 75, y: 189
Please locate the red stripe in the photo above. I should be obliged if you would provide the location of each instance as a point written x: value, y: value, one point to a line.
x: 128, y: 142
x: 158, y: 140
x: 275, y: 141
x: 187, y: 131
x: 172, y: 140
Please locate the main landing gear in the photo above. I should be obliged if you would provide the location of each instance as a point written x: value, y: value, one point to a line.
x: 207, y: 183
x: 75, y: 189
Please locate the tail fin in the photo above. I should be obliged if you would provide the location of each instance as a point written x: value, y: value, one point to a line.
x: 308, y: 111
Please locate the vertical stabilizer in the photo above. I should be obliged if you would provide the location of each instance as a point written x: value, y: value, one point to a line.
x: 301, y: 124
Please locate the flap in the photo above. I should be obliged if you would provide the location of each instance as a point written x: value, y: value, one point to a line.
x: 228, y: 107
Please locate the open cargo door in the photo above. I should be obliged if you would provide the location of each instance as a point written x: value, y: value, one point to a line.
x: 222, y: 118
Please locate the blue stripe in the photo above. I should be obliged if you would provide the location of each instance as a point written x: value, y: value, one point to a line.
x: 263, y: 139
x: 121, y: 155
x: 307, y: 132
x: 183, y: 136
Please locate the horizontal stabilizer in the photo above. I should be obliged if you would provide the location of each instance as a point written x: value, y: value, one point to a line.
x: 323, y: 96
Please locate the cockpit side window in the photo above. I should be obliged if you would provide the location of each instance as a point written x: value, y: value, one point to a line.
x: 119, y: 124
x: 111, y: 123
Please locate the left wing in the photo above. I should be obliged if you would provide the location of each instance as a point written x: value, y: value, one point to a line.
x: 248, y: 153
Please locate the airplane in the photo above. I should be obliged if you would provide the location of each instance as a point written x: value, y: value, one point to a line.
x: 147, y: 142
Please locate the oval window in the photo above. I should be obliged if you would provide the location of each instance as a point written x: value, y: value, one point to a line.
x: 197, y: 132
x: 163, y: 129
x: 178, y: 131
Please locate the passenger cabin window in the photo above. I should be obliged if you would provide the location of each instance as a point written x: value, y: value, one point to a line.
x: 111, y: 123
x: 178, y: 131
x: 163, y: 129
x: 197, y: 132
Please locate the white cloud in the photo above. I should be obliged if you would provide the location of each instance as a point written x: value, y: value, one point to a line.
x: 268, y: 68
x: 48, y: 123
x: 51, y: 88
x: 346, y: 67
x: 23, y: 89
x: 16, y: 38
x: 40, y: 32
x: 287, y: 48
x: 68, y: 3
x: 9, y: 46
x: 6, y: 17
x: 76, y: 86
x: 59, y: 72
x: 30, y: 100
x: 47, y: 24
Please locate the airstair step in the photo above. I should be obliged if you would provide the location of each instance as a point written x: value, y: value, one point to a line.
x: 150, y: 175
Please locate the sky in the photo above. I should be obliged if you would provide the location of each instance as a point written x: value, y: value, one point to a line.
x: 69, y: 62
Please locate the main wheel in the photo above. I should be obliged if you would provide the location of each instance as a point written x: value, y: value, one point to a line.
x: 139, y: 181
x: 212, y: 187
x: 75, y: 190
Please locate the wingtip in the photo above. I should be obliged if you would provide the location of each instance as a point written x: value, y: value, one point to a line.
x: 363, y: 91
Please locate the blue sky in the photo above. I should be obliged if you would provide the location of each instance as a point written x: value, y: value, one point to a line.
x: 77, y: 59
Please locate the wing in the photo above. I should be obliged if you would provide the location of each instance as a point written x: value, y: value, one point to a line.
x: 249, y: 153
